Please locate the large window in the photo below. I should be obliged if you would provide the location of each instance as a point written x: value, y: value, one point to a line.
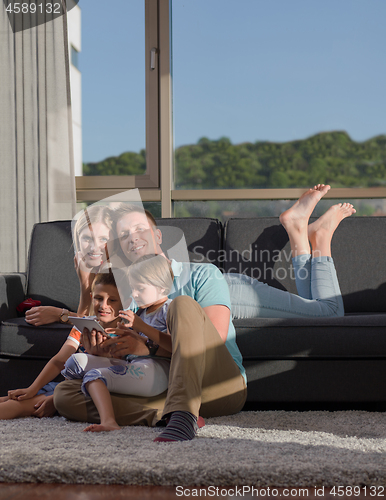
x: 268, y: 98
x: 279, y: 94
x: 120, y: 96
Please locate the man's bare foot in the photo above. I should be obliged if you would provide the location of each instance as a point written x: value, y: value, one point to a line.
x: 102, y: 427
x: 296, y: 217
x: 323, y: 228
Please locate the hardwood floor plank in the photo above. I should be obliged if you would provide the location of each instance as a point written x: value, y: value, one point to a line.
x: 39, y: 491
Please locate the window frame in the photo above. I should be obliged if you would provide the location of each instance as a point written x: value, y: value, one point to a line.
x: 95, y: 187
x: 157, y: 184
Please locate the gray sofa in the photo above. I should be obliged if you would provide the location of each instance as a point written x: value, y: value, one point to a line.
x: 290, y: 363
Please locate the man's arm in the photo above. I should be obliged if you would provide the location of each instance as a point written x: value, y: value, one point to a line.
x: 219, y: 316
x: 162, y: 338
x: 212, y: 293
x: 130, y: 342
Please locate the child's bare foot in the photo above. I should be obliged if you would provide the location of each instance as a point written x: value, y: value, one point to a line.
x: 102, y: 427
x: 323, y: 228
x: 3, y: 399
x: 296, y: 217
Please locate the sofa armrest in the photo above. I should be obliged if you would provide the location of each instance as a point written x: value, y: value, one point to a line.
x: 12, y: 292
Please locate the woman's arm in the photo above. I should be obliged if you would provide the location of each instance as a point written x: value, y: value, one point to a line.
x: 86, y: 277
x: 43, y: 315
x: 84, y: 303
x: 52, y: 369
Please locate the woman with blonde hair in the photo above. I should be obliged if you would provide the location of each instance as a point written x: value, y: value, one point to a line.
x: 91, y: 231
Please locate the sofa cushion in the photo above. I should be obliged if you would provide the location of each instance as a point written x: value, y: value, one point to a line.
x: 12, y: 292
x: 314, y: 360
x: 203, y: 236
x: 19, y: 372
x: 358, y: 249
x: 259, y: 247
x: 350, y: 381
x: 52, y: 277
x: 352, y: 336
x: 18, y: 338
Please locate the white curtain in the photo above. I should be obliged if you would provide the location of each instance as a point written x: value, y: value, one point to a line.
x: 37, y: 181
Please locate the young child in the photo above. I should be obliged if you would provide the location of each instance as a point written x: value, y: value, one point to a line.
x: 37, y: 399
x: 151, y: 280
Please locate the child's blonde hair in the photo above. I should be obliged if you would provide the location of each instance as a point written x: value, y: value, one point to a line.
x: 153, y: 270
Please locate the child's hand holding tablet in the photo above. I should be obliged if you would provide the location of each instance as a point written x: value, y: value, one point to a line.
x: 89, y: 322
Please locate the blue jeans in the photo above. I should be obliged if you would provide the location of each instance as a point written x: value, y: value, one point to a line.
x: 317, y: 285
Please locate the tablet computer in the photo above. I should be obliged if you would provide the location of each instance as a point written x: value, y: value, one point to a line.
x: 89, y: 322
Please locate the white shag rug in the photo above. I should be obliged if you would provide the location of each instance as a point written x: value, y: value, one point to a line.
x: 260, y: 449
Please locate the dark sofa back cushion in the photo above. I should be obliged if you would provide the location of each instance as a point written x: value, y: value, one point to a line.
x: 203, y: 236
x: 358, y: 249
x: 51, y: 273
x: 259, y: 247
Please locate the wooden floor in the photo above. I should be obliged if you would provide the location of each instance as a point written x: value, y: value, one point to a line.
x: 27, y: 491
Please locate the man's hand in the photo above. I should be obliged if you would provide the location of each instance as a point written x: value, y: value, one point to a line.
x: 43, y: 315
x: 45, y: 407
x: 21, y: 394
x: 95, y: 343
x: 127, y: 342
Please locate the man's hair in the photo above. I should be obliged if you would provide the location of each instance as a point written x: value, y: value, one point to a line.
x: 128, y: 208
x: 152, y: 269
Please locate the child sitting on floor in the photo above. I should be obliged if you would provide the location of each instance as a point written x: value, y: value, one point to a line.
x: 151, y: 280
x: 37, y: 399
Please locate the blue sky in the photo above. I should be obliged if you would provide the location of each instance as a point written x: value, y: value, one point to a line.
x: 249, y: 70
